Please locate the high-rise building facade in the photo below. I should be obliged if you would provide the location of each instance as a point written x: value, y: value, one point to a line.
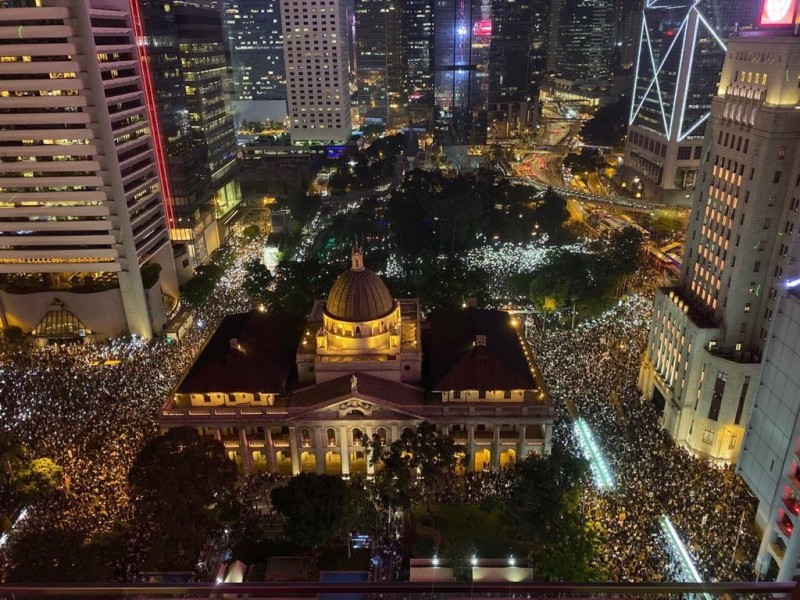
x: 184, y: 56
x: 681, y: 48
x: 255, y: 43
x: 416, y: 39
x: 201, y: 40
x: 379, y: 62
x: 584, y: 40
x: 317, y: 70
x: 463, y: 34
x: 708, y: 334
x: 516, y: 64
x: 82, y: 214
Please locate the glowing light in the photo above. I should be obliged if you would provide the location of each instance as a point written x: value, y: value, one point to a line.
x: 777, y: 12
x: 461, y: 30
x: 483, y: 28
x: 793, y: 283
x: 474, y: 561
x: 597, y: 462
x: 682, y: 553
x: 435, y: 561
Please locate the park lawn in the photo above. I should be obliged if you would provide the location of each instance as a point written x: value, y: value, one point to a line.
x: 463, y: 525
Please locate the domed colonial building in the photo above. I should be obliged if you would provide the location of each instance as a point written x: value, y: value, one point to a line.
x: 360, y: 327
x: 293, y: 395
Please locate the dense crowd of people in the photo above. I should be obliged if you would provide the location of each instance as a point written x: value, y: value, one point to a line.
x: 92, y: 408
x: 592, y: 370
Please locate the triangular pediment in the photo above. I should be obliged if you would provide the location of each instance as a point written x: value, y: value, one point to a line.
x: 358, y: 395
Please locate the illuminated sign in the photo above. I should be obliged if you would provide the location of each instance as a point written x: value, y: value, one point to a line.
x: 778, y: 12
x: 483, y: 28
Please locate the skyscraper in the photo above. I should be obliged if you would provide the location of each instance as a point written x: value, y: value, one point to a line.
x: 317, y: 70
x: 184, y: 57
x: 81, y: 206
x: 516, y: 63
x: 708, y: 334
x: 256, y: 47
x: 201, y: 40
x: 461, y: 70
x: 379, y: 62
x: 584, y: 39
x: 680, y: 53
x: 416, y: 37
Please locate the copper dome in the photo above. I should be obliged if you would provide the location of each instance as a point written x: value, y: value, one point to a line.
x: 359, y: 294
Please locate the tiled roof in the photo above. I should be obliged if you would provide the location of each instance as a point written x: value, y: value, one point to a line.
x: 262, y: 361
x: 453, y: 362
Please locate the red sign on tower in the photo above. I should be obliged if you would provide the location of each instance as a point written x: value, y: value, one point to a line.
x: 778, y: 12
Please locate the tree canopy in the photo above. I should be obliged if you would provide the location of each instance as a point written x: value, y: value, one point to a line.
x: 609, y: 125
x: 183, y: 483
x: 321, y: 508
x: 257, y: 281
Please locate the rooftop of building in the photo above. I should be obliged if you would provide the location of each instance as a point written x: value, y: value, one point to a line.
x: 699, y: 318
x: 249, y: 352
x: 477, y: 349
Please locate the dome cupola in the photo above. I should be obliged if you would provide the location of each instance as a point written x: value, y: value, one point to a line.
x: 358, y: 294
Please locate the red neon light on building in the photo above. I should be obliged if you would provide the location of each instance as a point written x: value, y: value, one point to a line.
x: 150, y: 101
x: 483, y: 28
x: 778, y: 12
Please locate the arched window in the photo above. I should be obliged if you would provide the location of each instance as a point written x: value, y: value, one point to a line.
x: 305, y: 438
x: 358, y: 436
x: 380, y: 433
x: 331, y: 433
x: 358, y: 330
x: 408, y: 432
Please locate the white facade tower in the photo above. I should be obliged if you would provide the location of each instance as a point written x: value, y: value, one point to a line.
x: 81, y: 214
x: 317, y: 70
x: 708, y: 335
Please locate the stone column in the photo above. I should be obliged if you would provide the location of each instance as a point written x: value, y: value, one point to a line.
x: 548, y: 439
x: 244, y: 450
x: 293, y: 450
x: 394, y: 434
x: 320, y: 448
x: 522, y: 449
x: 270, y: 448
x: 495, y: 460
x: 218, y: 434
x: 471, y: 447
x: 764, y: 558
x: 368, y: 452
x: 344, y: 445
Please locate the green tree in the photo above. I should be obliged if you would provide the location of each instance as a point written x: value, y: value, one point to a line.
x: 609, y: 124
x: 313, y: 507
x: 625, y: 250
x: 200, y: 287
x: 551, y: 214
x: 181, y: 482
x: 539, y: 496
x: 251, y: 232
x: 257, y: 281
x: 420, y: 453
x: 13, y: 335
x: 37, y: 478
x: 299, y: 283
x: 587, y: 161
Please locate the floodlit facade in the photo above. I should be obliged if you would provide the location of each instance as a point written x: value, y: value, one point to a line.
x: 82, y: 216
x: 317, y: 70
x: 708, y: 335
x: 359, y: 372
x: 256, y: 47
x: 681, y: 48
